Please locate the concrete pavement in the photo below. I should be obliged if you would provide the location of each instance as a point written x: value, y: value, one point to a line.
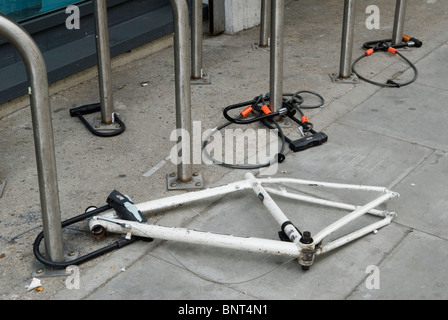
x: 391, y: 137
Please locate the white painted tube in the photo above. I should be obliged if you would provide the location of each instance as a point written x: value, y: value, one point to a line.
x: 323, y: 184
x: 171, y: 202
x: 354, y: 235
x: 248, y: 244
x: 328, y: 203
x: 352, y: 216
x: 273, y: 208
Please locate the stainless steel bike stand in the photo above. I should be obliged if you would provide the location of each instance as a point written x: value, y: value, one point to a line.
x: 277, y: 54
x: 265, y: 25
x: 198, y: 77
x: 183, y: 179
x: 43, y: 135
x: 400, y: 13
x: 110, y: 125
x: 345, y: 75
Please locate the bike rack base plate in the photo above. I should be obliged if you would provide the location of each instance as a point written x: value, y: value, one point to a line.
x: 105, y: 128
x: 335, y: 78
x: 206, y: 79
x: 172, y: 183
x: 42, y: 271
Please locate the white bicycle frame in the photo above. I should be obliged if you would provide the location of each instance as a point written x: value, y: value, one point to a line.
x: 298, y: 247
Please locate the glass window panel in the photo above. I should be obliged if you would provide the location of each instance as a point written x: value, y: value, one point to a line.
x: 20, y: 10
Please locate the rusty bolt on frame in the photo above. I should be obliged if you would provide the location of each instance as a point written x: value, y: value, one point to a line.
x: 306, y: 258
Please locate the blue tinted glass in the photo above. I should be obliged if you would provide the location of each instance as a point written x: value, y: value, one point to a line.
x: 20, y: 10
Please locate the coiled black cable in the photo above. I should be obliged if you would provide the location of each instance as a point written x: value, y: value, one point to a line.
x: 278, y: 158
x: 297, y: 100
x: 290, y: 106
x: 383, y: 46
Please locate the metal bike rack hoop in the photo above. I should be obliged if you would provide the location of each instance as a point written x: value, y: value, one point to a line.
x: 400, y: 13
x: 183, y: 179
x: 43, y: 134
x: 198, y: 77
x: 109, y: 124
x: 265, y: 23
x: 277, y: 54
x: 346, y: 74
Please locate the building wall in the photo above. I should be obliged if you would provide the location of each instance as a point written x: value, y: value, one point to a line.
x: 241, y: 15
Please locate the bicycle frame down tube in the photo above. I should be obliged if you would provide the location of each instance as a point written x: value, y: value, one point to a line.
x: 247, y: 244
